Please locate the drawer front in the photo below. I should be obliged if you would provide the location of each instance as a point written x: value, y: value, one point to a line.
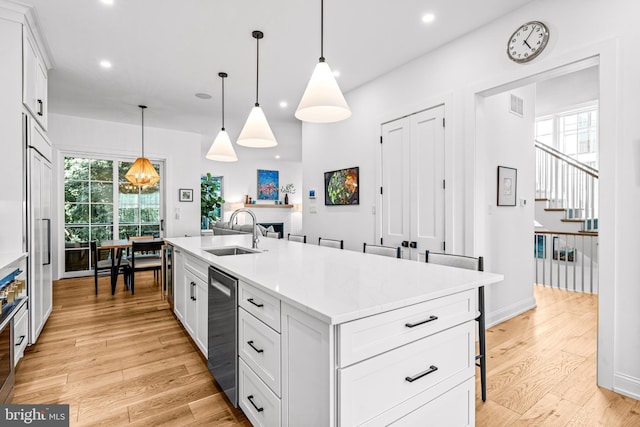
x: 367, y: 337
x: 197, y: 267
x: 454, y: 407
x: 259, y: 347
x: 371, y: 387
x: 20, y: 333
x: 262, y: 305
x: 259, y: 404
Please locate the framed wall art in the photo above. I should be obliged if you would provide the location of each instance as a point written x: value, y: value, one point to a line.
x: 507, y: 186
x: 268, y: 184
x: 341, y: 187
x: 185, y: 195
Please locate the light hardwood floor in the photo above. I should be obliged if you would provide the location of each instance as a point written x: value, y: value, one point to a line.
x: 120, y: 360
x: 123, y: 360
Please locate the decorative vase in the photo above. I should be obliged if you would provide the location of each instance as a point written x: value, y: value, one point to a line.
x: 286, y: 199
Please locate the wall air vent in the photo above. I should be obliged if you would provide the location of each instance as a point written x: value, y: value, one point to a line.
x: 517, y: 106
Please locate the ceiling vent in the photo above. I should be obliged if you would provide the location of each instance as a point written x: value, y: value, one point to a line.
x: 517, y: 106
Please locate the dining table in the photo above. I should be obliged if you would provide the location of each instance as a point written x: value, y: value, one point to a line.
x: 117, y: 247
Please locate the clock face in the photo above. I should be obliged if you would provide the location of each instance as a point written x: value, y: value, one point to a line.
x: 528, y: 41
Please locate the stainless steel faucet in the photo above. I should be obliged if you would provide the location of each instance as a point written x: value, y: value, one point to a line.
x: 255, y: 224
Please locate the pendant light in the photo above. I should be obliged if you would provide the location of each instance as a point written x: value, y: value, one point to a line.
x: 142, y: 171
x: 256, y: 132
x: 221, y: 150
x: 322, y: 101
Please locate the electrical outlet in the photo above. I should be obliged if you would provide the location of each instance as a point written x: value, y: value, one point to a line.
x: 313, y: 210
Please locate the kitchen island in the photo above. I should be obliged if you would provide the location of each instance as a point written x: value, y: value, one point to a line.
x: 340, y: 338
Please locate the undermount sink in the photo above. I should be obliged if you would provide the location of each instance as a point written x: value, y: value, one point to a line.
x: 231, y: 250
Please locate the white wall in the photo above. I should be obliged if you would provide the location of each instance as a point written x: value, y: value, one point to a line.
x: 179, y: 150
x: 477, y: 62
x: 504, y: 139
x: 567, y: 91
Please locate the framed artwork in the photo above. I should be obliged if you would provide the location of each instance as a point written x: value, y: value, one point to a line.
x: 539, y: 246
x: 341, y: 187
x: 268, y: 185
x: 185, y: 195
x: 563, y: 253
x: 507, y: 186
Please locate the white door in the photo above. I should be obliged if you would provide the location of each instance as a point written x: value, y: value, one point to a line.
x: 412, y: 176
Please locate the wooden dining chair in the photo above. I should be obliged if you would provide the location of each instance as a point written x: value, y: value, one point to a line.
x: 297, y: 238
x: 389, y: 251
x: 469, y: 263
x: 145, y: 256
x: 331, y: 243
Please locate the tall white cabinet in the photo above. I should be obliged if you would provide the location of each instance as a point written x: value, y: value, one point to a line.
x: 25, y: 208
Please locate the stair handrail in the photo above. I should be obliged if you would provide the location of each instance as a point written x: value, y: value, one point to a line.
x: 570, y: 160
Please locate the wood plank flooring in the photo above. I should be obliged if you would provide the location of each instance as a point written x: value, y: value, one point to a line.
x: 120, y: 360
x: 124, y: 360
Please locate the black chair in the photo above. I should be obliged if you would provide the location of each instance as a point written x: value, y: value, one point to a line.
x: 470, y: 263
x: 99, y: 262
x: 331, y: 243
x: 297, y: 238
x: 145, y: 256
x: 389, y: 251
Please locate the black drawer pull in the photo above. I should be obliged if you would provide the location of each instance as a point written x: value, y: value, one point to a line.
x: 254, y: 405
x: 40, y: 107
x: 255, y: 303
x: 413, y: 325
x: 22, y: 337
x: 431, y: 370
x: 258, y: 350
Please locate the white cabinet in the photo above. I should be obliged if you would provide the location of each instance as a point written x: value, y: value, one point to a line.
x: 191, y: 297
x: 20, y: 333
x: 35, y: 80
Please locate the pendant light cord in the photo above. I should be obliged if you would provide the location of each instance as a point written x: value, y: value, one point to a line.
x: 222, y: 103
x: 257, y: 67
x: 142, y: 109
x: 321, y: 30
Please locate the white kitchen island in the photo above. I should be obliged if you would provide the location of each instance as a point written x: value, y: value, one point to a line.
x: 346, y: 338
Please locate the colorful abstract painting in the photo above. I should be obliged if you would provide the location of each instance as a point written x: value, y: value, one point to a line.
x: 341, y: 187
x: 267, y: 185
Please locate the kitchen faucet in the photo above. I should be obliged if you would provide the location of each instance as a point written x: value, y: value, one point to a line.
x: 255, y: 224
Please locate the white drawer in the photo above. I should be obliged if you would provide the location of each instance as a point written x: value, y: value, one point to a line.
x: 259, y: 347
x: 262, y: 305
x: 259, y: 404
x: 20, y: 333
x: 367, y: 337
x: 371, y: 387
x: 454, y: 407
x: 197, y: 267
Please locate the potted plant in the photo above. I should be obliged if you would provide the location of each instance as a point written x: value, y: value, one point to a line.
x: 288, y: 189
x: 210, y: 200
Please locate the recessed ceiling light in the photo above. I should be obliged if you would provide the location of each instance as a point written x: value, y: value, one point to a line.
x: 203, y: 95
x: 107, y: 2
x: 284, y: 104
x: 278, y: 156
x: 105, y: 64
x: 429, y: 17
x: 336, y: 73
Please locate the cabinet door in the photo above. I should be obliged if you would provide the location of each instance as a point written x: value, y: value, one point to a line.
x: 29, y: 69
x: 190, y: 283
x: 179, y: 290
x: 42, y: 92
x: 202, y: 316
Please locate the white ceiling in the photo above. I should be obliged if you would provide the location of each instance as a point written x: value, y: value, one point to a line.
x: 165, y: 51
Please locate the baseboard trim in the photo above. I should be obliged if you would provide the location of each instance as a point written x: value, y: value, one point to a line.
x: 511, y: 311
x: 626, y: 385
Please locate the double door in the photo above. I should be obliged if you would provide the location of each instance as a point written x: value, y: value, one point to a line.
x: 413, y: 183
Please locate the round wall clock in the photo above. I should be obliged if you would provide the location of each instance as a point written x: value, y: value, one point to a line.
x: 528, y: 41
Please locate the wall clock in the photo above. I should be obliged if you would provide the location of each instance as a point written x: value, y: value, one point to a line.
x: 527, y: 42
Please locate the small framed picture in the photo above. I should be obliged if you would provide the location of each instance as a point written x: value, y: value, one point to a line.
x: 185, y: 195
x: 507, y: 186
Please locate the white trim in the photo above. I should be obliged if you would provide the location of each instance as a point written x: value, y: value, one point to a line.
x: 495, y: 317
x: 627, y: 385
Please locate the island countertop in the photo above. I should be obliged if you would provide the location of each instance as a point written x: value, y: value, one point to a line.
x: 333, y: 285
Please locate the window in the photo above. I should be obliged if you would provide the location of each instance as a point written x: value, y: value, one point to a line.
x: 96, y: 209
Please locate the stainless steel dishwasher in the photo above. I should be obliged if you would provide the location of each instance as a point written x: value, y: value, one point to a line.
x: 223, y: 321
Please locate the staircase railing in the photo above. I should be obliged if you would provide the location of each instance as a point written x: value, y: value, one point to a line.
x: 566, y: 260
x: 567, y: 183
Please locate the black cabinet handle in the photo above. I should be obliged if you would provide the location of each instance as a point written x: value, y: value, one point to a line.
x: 194, y: 290
x: 22, y: 337
x: 40, y: 107
x: 413, y: 325
x: 431, y: 370
x: 191, y: 291
x: 258, y: 350
x: 255, y: 303
x: 48, y: 221
x: 254, y: 405
x: 405, y: 243
x: 413, y: 245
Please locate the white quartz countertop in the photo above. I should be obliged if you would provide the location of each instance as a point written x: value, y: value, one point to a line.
x: 9, y: 258
x: 334, y: 285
